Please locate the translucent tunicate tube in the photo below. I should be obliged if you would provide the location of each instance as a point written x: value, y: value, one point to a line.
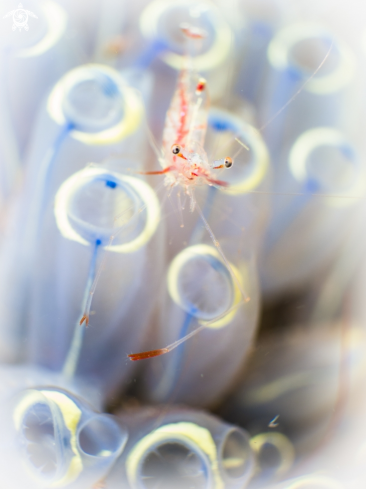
x: 305, y: 58
x: 90, y: 114
x: 184, y: 447
x: 112, y: 20
x: 54, y: 439
x: 260, y: 19
x: 35, y: 54
x: 319, y: 192
x: 30, y: 44
x: 201, y: 289
x: 97, y: 212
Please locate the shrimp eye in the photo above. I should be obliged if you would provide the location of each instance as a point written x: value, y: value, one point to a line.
x: 175, y: 149
x: 228, y: 162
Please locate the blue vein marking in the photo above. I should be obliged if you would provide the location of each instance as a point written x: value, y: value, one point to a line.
x: 111, y: 184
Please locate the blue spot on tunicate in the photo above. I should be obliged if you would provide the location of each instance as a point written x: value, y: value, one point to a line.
x: 98, y: 242
x: 219, y: 125
x: 312, y: 185
x: 109, y: 87
x: 294, y: 73
x: 347, y: 151
x: 111, y: 184
x: 193, y: 310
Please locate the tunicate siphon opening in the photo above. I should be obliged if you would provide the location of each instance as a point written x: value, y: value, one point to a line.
x: 173, y: 464
x: 236, y: 455
x: 100, y: 437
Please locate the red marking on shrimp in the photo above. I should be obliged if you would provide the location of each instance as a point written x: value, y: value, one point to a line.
x: 220, y: 183
x: 86, y: 319
x: 183, y: 113
x: 201, y: 85
x: 192, y: 32
x: 134, y: 357
x: 158, y: 172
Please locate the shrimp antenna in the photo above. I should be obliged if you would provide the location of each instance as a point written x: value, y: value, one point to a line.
x: 240, y: 149
x: 295, y: 95
x: 241, y: 142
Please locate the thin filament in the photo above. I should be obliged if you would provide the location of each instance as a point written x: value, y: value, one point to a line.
x: 298, y: 91
x: 217, y: 245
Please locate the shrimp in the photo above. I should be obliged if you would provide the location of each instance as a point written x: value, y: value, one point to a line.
x: 185, y: 160
x: 184, y: 157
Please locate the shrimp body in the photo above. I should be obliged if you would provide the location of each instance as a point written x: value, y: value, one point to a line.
x: 185, y: 159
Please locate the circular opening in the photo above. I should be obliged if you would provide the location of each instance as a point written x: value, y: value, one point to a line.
x: 93, y: 103
x: 101, y: 207
x: 38, y: 439
x: 236, y: 455
x: 332, y: 167
x: 274, y: 452
x: 269, y: 457
x: 173, y: 464
x: 308, y: 54
x: 205, y: 287
x: 100, y: 437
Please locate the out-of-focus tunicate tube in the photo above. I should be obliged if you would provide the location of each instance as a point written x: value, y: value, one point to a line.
x: 96, y: 210
x: 299, y: 53
x: 200, y: 288
x: 319, y: 192
x: 295, y: 382
x: 176, y: 446
x: 111, y: 23
x: 32, y: 39
x: 90, y: 114
x: 35, y: 51
x: 261, y: 20
x: 54, y: 439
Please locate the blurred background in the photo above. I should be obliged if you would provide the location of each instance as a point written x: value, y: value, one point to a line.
x: 100, y: 258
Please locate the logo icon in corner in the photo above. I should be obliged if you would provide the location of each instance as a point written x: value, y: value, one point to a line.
x: 20, y: 17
